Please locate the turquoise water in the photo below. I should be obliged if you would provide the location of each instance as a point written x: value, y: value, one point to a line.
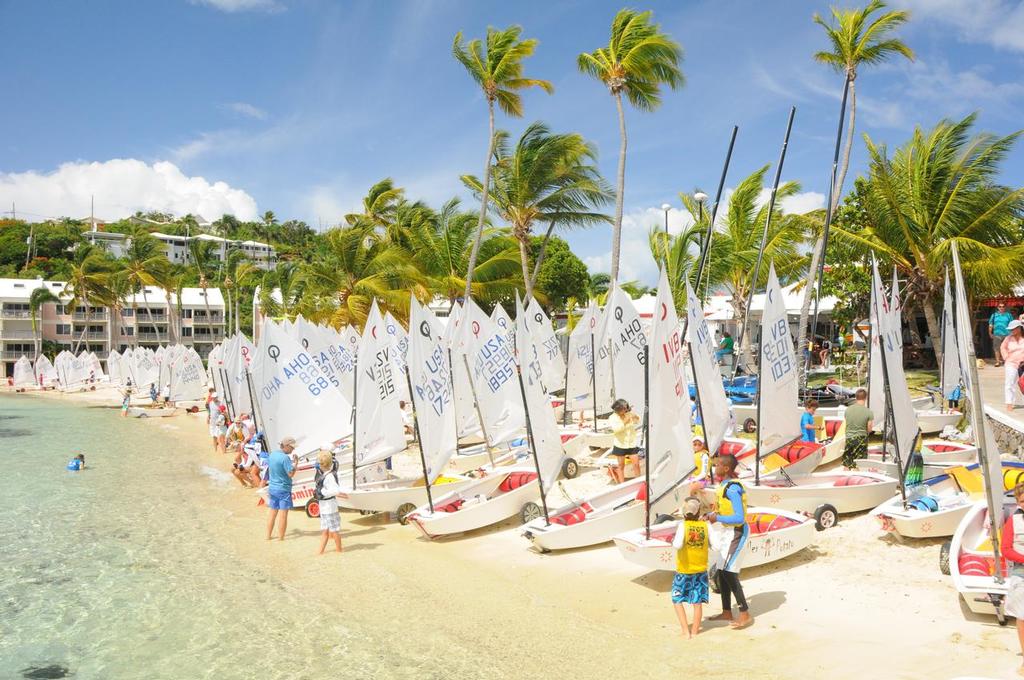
x: 114, y: 573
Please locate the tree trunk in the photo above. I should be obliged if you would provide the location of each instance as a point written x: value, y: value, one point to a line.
x: 227, y: 312
x: 85, y: 328
x: 483, y: 203
x: 620, y: 190
x: 209, y: 319
x: 540, y: 257
x: 819, y: 246
x: 934, y: 329
x: 170, y: 318
x: 37, y: 339
x: 524, y: 256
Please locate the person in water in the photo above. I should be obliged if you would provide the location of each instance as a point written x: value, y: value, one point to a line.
x: 77, y: 463
x: 808, y: 429
x: 690, y: 584
x: 623, y: 423
x: 281, y: 467
x: 731, y: 532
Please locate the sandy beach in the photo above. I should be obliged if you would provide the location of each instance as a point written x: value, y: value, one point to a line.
x: 856, y: 604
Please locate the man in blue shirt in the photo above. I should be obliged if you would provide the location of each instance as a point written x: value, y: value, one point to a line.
x: 281, y: 466
x: 808, y: 430
x: 997, y: 329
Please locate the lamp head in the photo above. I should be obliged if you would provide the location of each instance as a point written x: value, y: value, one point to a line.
x: 666, y: 207
x: 700, y: 196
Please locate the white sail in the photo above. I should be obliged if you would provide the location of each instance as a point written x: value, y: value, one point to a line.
x: 96, y: 373
x: 778, y: 386
x: 500, y: 317
x: 988, y: 452
x: 189, y: 378
x: 77, y: 372
x: 552, y: 363
x: 433, y: 400
x: 348, y: 348
x: 147, y: 371
x: 579, y: 386
x: 890, y: 331
x: 380, y: 432
x: 466, y: 417
x: 876, y: 382
x: 293, y: 396
x: 114, y: 367
x: 714, y: 406
x: 622, y: 334
x: 670, y: 449
x: 23, y: 372
x: 951, y: 371
x: 493, y: 372
x: 400, y: 341
x: 45, y: 371
x: 545, y: 437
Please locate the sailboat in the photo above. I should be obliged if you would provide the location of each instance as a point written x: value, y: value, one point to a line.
x: 823, y: 494
x: 973, y: 557
x: 506, y: 490
x: 624, y: 507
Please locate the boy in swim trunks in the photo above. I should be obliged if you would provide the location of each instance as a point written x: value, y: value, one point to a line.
x: 690, y: 585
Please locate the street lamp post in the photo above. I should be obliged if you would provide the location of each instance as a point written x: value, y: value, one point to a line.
x: 666, y: 207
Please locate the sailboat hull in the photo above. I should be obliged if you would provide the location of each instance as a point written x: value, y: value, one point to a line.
x: 971, y: 564
x: 389, y: 495
x: 770, y: 540
x: 480, y: 504
x: 933, y: 420
x: 846, y: 492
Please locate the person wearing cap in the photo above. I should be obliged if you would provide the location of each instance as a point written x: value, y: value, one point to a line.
x: 281, y: 467
x: 1012, y: 353
x: 690, y: 584
x: 998, y: 329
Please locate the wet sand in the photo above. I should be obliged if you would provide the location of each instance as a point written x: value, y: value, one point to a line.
x: 856, y: 604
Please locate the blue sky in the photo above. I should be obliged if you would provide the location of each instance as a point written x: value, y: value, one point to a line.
x: 298, y: 106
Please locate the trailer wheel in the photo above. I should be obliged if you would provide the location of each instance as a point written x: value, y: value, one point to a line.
x: 825, y: 517
x: 403, y: 510
x: 749, y: 426
x: 944, y: 557
x: 313, y: 508
x: 529, y: 512
x: 664, y: 518
x: 570, y: 468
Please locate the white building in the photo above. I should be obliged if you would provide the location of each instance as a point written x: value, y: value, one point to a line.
x: 176, y: 248
x: 145, y: 320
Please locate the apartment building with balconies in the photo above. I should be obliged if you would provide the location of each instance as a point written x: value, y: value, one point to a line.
x: 145, y: 320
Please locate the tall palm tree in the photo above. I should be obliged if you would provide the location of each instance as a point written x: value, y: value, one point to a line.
x: 379, y: 204
x: 941, y: 187
x: 638, y: 60
x: 497, y: 67
x: 857, y: 38
x: 205, y: 260
x: 143, y: 264
x: 441, y: 248
x: 548, y: 179
x: 676, y: 254
x: 357, y: 267
x: 39, y: 297
x: 87, y: 283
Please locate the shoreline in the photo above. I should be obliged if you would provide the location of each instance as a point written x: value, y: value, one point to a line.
x: 590, y: 611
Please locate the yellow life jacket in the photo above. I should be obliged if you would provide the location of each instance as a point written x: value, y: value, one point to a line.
x: 692, y: 558
x: 724, y: 504
x: 702, y: 464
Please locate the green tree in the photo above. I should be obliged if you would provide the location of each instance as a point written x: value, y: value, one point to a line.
x: 676, y: 255
x: 88, y: 284
x: 379, y: 205
x: 857, y: 37
x: 36, y: 299
x: 548, y: 179
x: 497, y: 68
x: 638, y: 60
x: 143, y: 264
x: 561, y: 275
x: 600, y: 284
x: 941, y: 187
x: 205, y: 262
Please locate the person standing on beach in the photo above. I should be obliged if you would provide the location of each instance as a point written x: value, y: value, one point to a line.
x: 327, y: 487
x: 997, y: 329
x: 808, y: 430
x: 220, y: 420
x: 730, y: 533
x: 690, y: 584
x: 1012, y: 353
x: 623, y: 423
x: 281, y: 467
x: 859, y: 424
x: 212, y: 409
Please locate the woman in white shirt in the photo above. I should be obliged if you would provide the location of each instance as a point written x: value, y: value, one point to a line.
x: 327, y: 487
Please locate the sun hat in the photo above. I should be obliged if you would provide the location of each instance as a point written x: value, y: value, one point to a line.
x: 691, y: 506
x: 1014, y: 324
x: 287, y: 441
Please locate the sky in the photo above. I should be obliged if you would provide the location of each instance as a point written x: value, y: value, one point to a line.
x: 299, y: 106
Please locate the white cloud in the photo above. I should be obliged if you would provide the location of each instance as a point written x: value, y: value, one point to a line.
x: 121, y: 187
x: 241, y: 5
x: 803, y: 202
x: 994, y: 22
x: 247, y: 110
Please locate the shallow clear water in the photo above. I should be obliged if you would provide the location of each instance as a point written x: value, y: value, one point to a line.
x: 113, y: 573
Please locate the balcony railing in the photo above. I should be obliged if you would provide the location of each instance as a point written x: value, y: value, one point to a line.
x: 17, y: 355
x: 90, y: 316
x: 152, y: 337
x: 146, y: 316
x: 16, y: 335
x: 15, y: 313
x: 215, y: 318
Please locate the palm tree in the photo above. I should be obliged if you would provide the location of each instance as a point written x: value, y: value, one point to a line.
x: 857, y: 39
x: 938, y: 188
x: 87, y: 283
x: 143, y: 264
x: 441, y: 247
x: 39, y: 297
x: 547, y: 178
x: 600, y: 284
x: 497, y: 68
x: 355, y: 267
x: 639, y: 59
x: 676, y: 254
x: 379, y: 204
x: 205, y: 261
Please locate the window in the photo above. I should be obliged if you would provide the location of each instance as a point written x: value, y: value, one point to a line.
x: 127, y: 330
x: 128, y: 312
x: 186, y: 332
x: 186, y: 313
x: 62, y: 309
x: 95, y: 329
x: 63, y: 329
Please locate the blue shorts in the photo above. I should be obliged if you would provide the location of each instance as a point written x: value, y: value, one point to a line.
x: 690, y: 588
x: 279, y: 500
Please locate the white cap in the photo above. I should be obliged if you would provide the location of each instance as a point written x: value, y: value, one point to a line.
x: 1014, y: 324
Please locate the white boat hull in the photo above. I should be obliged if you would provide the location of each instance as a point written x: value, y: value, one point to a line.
x: 612, y: 512
x: 389, y: 495
x: 479, y: 504
x: 817, y: 489
x: 934, y: 420
x: 657, y: 553
x: 978, y: 590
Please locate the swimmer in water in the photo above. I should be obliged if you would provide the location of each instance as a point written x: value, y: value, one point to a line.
x: 77, y: 463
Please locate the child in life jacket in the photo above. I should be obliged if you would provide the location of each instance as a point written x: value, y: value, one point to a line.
x: 690, y: 585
